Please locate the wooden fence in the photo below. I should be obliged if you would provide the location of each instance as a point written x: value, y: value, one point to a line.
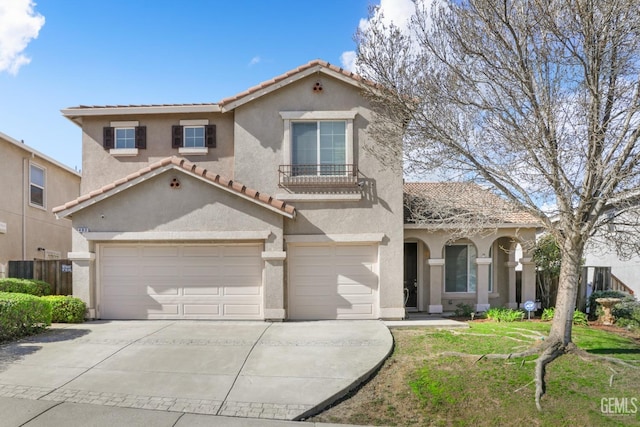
x: 57, y: 273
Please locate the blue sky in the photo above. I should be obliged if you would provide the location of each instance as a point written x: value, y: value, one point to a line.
x: 154, y: 52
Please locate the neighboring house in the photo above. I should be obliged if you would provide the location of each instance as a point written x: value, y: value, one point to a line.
x: 460, y: 248
x: 264, y: 205
x: 32, y: 183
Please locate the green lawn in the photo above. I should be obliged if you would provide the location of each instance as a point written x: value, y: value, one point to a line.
x: 419, y: 386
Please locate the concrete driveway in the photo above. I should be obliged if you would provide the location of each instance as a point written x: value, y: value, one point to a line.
x: 282, y: 371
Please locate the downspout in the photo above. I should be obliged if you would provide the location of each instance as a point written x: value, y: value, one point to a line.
x: 24, y: 207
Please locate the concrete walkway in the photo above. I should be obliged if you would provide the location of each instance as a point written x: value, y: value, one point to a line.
x: 183, y: 372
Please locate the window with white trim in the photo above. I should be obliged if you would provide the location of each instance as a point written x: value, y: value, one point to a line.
x: 460, y: 269
x: 37, y: 181
x: 125, y: 138
x: 193, y: 136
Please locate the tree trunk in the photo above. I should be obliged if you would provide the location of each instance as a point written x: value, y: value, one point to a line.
x: 559, y: 340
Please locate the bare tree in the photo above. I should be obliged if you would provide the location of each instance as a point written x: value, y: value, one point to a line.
x: 539, y: 99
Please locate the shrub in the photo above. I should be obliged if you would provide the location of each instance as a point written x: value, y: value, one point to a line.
x: 504, y: 314
x: 579, y: 318
x: 627, y: 314
x: 464, y: 310
x: 66, y: 309
x: 547, y: 314
x: 22, y: 314
x: 25, y: 286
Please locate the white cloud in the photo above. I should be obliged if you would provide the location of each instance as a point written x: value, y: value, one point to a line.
x: 255, y: 60
x: 19, y: 24
x: 398, y: 12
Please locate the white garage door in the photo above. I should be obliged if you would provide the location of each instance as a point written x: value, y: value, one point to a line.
x: 180, y: 282
x: 333, y: 281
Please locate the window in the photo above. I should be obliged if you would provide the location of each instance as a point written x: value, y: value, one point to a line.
x: 319, y: 148
x: 125, y: 138
x: 193, y: 136
x: 36, y: 186
x: 460, y: 268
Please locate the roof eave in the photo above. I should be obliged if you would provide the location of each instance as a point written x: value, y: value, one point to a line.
x: 75, y: 114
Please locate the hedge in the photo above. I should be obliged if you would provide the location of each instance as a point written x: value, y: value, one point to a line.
x: 25, y: 286
x: 22, y: 314
x: 66, y: 309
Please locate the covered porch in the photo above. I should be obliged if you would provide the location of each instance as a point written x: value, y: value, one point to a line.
x: 479, y: 271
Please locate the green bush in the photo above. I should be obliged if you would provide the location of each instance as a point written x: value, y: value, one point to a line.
x: 547, y: 314
x: 22, y: 314
x: 579, y: 318
x: 504, y: 314
x: 464, y: 310
x: 594, y: 307
x: 627, y: 314
x: 25, y: 286
x: 66, y: 309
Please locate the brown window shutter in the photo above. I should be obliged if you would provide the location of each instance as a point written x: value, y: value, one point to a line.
x: 176, y: 136
x: 108, y: 137
x: 210, y: 136
x: 141, y: 137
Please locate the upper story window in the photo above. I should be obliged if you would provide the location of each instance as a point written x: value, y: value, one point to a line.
x: 193, y: 137
x: 124, y: 138
x: 318, y: 149
x: 37, y: 180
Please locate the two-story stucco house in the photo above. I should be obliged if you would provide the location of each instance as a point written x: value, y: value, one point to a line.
x: 32, y: 183
x: 264, y: 205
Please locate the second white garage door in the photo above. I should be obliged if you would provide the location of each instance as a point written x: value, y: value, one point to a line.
x: 336, y: 281
x: 180, y: 282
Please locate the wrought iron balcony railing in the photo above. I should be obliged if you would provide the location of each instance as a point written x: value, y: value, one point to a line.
x: 334, y: 175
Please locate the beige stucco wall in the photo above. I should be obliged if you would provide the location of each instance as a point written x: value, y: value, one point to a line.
x: 32, y: 227
x: 259, y: 150
x: 102, y: 168
x: 153, y: 206
x: 250, y: 149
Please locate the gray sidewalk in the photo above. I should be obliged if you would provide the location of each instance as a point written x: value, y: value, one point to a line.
x: 37, y: 413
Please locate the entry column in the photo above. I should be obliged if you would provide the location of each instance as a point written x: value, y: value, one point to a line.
x: 528, y: 279
x: 482, y: 285
x: 511, y: 284
x: 435, y: 284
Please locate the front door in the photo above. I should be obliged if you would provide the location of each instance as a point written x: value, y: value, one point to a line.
x: 411, y: 276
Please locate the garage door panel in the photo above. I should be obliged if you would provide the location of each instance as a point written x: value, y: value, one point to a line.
x: 241, y: 309
x: 200, y: 309
x: 355, y: 289
x: 333, y: 281
x: 162, y: 290
x: 241, y: 290
x: 200, y: 290
x: 181, y: 281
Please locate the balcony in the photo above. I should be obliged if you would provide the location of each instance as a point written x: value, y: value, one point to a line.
x: 318, y: 175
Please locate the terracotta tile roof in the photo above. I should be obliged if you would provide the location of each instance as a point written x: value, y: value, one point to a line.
x: 290, y: 73
x: 449, y: 202
x: 182, y: 163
